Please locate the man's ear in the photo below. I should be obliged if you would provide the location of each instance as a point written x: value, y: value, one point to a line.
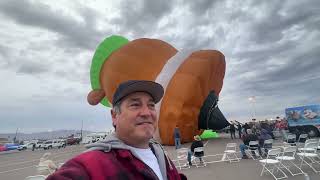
x: 113, y: 116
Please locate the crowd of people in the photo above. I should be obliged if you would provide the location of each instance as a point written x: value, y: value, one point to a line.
x: 256, y: 131
x: 279, y: 124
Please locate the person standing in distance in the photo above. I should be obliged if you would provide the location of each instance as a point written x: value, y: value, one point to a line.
x: 177, y: 137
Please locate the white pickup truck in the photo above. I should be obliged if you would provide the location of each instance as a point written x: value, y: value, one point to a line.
x: 56, y: 143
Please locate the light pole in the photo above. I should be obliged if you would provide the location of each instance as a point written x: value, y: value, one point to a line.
x: 15, y: 137
x: 50, y: 133
x: 252, y: 100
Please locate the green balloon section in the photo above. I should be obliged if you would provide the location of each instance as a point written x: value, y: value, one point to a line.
x: 209, y: 134
x: 103, y: 51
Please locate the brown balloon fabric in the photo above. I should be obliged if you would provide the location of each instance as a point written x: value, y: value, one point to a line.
x: 201, y: 72
x: 143, y: 59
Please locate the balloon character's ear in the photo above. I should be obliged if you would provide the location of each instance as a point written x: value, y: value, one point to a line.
x: 95, y: 96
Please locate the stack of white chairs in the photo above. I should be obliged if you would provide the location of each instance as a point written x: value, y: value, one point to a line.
x: 271, y: 163
x: 182, y: 158
x: 231, y: 152
x: 308, y: 155
x: 198, y: 160
x: 287, y: 159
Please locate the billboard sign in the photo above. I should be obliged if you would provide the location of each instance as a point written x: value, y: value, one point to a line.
x: 303, y: 115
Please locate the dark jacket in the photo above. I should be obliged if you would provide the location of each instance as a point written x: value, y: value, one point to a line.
x: 246, y: 126
x: 239, y: 127
x: 176, y: 133
x: 249, y: 137
x: 232, y: 128
x: 264, y: 135
x: 196, y: 144
x: 112, y: 159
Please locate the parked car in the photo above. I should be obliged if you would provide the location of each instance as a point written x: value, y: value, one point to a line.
x: 94, y: 137
x: 25, y: 146
x: 56, y: 143
x: 11, y: 146
x: 63, y: 143
x: 73, y: 140
x: 39, y: 144
x: 3, y: 148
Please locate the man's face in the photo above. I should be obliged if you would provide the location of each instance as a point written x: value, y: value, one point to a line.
x: 137, y: 121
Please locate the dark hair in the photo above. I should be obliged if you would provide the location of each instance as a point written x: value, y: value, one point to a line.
x: 116, y: 109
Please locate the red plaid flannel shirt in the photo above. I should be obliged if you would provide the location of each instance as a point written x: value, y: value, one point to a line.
x: 116, y: 164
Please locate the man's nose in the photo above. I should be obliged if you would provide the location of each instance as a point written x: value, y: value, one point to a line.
x: 145, y: 111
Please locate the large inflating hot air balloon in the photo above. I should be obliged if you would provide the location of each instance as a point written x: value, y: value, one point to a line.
x: 192, y: 80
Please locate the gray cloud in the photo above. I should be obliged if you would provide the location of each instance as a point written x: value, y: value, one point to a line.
x: 201, y: 7
x: 4, y: 51
x: 278, y: 17
x: 141, y: 17
x: 271, y: 50
x: 34, y: 68
x: 81, y: 34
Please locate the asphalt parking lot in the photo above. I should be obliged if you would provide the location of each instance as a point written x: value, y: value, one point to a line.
x: 18, y: 165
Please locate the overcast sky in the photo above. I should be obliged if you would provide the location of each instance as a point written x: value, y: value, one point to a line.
x: 271, y: 47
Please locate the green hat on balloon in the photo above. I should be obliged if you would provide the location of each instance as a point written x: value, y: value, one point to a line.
x: 103, y: 51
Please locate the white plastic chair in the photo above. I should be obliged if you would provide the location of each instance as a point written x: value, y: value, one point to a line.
x: 231, y: 152
x: 291, y: 139
x: 206, y: 143
x: 253, y: 149
x: 201, y: 163
x: 302, y: 138
x: 287, y: 160
x: 182, y: 158
x: 267, y: 145
x: 271, y: 163
x: 303, y: 149
x: 311, y: 140
x: 37, y: 177
x: 309, y: 153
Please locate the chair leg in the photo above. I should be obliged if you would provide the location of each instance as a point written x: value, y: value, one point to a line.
x: 287, y: 167
x: 303, y: 161
x: 284, y: 174
x: 271, y: 170
x: 201, y: 162
x: 232, y: 157
x: 183, y: 165
x: 263, y: 167
x: 251, y: 152
x: 294, y: 174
